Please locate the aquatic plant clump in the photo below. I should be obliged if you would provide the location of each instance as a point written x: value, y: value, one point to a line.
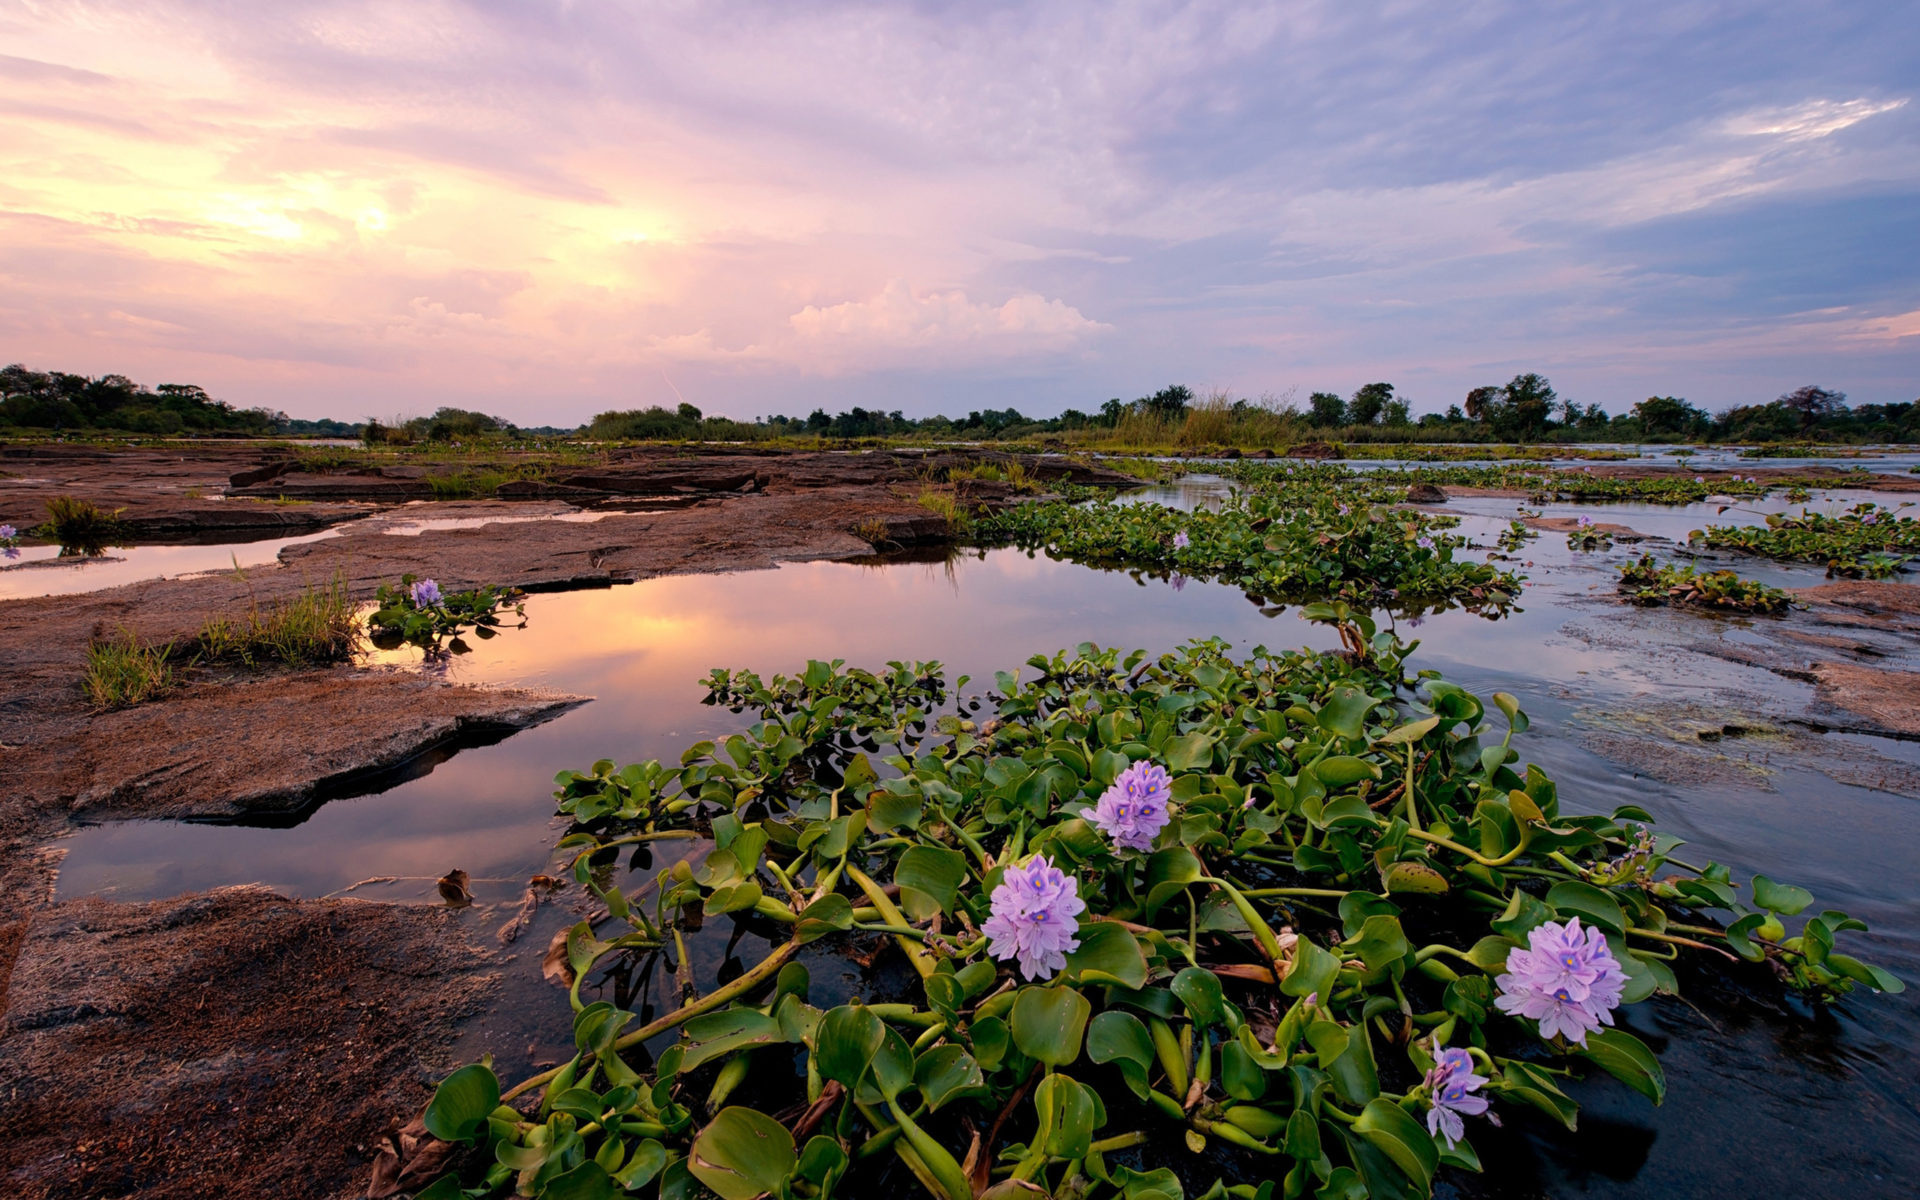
x: 1284, y: 546
x: 1868, y: 539
x: 1364, y: 921
x: 416, y: 612
x: 1650, y: 582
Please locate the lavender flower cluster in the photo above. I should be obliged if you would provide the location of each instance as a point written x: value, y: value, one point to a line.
x: 1133, y: 811
x: 1035, y: 916
x: 8, y: 535
x: 425, y: 594
x: 1567, y: 979
x: 1450, y: 1087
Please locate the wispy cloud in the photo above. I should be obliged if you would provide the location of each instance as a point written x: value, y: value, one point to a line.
x: 339, y: 206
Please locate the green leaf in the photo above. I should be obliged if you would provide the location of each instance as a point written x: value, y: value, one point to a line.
x: 829, y: 914
x: 1379, y: 942
x: 1573, y: 898
x: 1782, y: 898
x: 1120, y: 1037
x: 742, y: 1154
x: 1241, y: 1076
x: 945, y: 1072
x: 1067, y: 1111
x: 1345, y: 712
x: 1626, y: 1058
x: 462, y: 1103
x: 1108, y: 953
x: 1048, y: 1023
x: 588, y: 1181
x: 1413, y: 878
x: 929, y: 879
x: 1189, y: 752
x: 1312, y: 972
x: 1342, y: 770
x: 1402, y: 1139
x: 1408, y: 733
x: 845, y: 1043
x: 1199, y: 990
x: 1169, y: 871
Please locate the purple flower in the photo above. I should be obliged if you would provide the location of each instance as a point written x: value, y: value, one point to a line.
x: 1181, y: 541
x: 1699, y: 478
x: 1425, y: 543
x: 1585, y: 522
x: 425, y: 593
x: 8, y: 533
x: 1567, y: 979
x: 1134, y: 810
x: 1344, y: 510
x: 1177, y: 580
x: 1033, y: 921
x: 1869, y: 519
x: 1450, y: 1088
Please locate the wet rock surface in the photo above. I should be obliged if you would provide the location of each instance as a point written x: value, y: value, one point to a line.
x: 231, y: 1043
x: 264, y: 747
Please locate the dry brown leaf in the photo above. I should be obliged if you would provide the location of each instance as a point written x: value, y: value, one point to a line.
x: 554, y: 964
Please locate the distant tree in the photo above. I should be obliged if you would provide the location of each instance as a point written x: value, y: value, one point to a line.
x: 1479, y: 400
x: 1169, y: 403
x: 1524, y: 407
x: 1398, y: 413
x: 1811, y: 404
x: 1369, y: 404
x: 1326, y: 409
x: 1667, y: 414
x: 688, y: 411
x: 1454, y: 413
x: 1112, y: 411
x: 818, y: 420
x: 1593, y: 417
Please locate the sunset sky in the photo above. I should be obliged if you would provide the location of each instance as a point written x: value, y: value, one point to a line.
x: 547, y: 209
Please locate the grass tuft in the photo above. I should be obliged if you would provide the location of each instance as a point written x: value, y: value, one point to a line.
x: 317, y: 626
x: 80, y: 524
x: 121, y: 671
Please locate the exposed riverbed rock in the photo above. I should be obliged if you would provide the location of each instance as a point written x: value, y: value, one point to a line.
x: 1888, y: 700
x: 270, y: 746
x: 230, y: 1043
x: 1619, y: 533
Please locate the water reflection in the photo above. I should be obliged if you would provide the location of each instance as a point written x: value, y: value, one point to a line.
x: 1763, y: 1093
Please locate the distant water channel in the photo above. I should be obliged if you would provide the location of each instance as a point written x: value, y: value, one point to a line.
x: 1764, y: 1093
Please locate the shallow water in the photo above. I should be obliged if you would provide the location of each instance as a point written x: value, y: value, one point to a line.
x: 1763, y: 1093
x: 40, y: 571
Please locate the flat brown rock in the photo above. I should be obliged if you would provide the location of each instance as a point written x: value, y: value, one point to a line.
x: 267, y: 746
x: 230, y: 1043
x: 1865, y: 602
x: 1889, y: 700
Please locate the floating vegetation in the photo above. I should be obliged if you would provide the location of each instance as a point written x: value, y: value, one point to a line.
x: 1304, y: 543
x: 1587, y: 536
x: 1868, y: 539
x: 1649, y: 582
x: 417, y: 613
x: 1301, y: 909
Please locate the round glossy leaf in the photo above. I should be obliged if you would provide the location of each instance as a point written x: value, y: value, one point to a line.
x: 462, y: 1103
x: 742, y: 1154
x: 1048, y: 1023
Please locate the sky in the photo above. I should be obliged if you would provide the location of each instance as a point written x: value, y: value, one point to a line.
x: 546, y: 209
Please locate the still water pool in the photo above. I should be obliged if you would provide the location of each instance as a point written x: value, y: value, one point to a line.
x: 1764, y: 1094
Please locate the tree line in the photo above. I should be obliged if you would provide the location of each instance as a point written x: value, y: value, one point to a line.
x: 1524, y: 409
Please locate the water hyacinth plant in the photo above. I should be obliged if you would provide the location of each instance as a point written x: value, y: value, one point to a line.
x: 9, y: 541
x: 1650, y: 582
x: 1360, y: 919
x: 417, y: 613
x: 1866, y: 539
